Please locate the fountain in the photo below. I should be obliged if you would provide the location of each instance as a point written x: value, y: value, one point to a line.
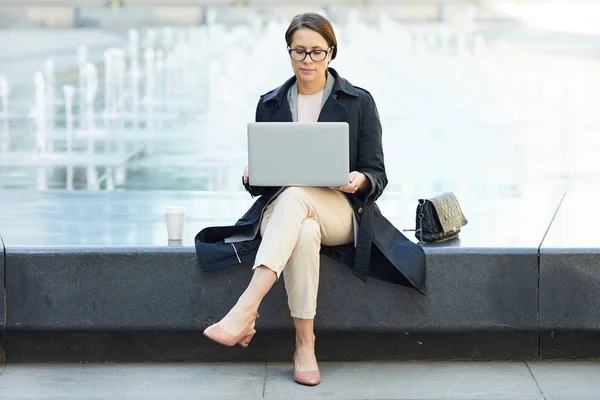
x: 444, y: 88
x: 50, y: 98
x: 150, y: 84
x: 69, y: 92
x: 90, y: 76
x: 134, y: 72
x: 82, y: 61
x: 38, y: 113
x: 91, y: 88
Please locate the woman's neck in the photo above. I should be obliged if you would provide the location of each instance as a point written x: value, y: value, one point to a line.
x: 308, y: 88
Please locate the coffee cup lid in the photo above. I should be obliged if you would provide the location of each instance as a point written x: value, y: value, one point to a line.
x: 175, y: 210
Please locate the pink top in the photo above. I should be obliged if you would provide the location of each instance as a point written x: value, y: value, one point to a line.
x: 309, y: 106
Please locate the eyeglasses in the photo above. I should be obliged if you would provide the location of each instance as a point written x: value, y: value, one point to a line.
x: 315, y: 55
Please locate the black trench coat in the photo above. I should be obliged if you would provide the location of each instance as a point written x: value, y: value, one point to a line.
x: 381, y: 251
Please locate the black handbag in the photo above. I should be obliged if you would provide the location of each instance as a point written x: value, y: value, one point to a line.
x: 439, y: 218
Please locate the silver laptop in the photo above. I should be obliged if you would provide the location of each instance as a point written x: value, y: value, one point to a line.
x: 298, y: 153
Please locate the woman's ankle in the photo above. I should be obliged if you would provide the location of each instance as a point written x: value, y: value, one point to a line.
x: 305, y: 341
x: 241, y: 315
x: 245, y: 307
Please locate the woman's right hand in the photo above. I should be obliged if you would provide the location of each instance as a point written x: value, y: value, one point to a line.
x: 246, y: 175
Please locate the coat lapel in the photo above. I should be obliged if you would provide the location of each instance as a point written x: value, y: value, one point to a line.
x: 283, y: 114
x: 333, y: 110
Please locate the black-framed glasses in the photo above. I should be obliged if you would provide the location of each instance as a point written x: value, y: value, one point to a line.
x: 315, y: 55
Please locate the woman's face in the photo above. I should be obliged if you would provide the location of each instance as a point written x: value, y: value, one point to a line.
x: 307, y: 40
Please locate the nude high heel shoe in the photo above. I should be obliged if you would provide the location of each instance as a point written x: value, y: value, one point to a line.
x: 307, y: 378
x: 217, y: 334
x: 246, y: 340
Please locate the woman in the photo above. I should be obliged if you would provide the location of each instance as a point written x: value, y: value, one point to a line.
x: 286, y: 228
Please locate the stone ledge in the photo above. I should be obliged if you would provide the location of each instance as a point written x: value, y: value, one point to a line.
x: 146, y: 288
x: 569, y: 317
x: 494, y: 286
x: 570, y: 281
x: 99, y: 294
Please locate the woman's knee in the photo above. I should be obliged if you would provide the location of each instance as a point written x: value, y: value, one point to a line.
x: 310, y: 234
x: 293, y: 194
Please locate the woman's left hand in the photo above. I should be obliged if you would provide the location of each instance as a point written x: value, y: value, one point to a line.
x: 358, y: 182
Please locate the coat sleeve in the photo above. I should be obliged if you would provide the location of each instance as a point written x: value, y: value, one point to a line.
x: 255, y: 190
x: 370, y: 152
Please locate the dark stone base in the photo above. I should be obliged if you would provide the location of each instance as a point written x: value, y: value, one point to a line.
x: 192, y: 346
x: 565, y: 345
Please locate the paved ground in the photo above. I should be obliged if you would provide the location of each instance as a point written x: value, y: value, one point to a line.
x: 365, y: 380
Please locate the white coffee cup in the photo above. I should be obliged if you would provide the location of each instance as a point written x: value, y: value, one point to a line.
x: 175, y: 216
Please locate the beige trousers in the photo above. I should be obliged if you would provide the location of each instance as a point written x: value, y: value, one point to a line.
x: 293, y: 227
